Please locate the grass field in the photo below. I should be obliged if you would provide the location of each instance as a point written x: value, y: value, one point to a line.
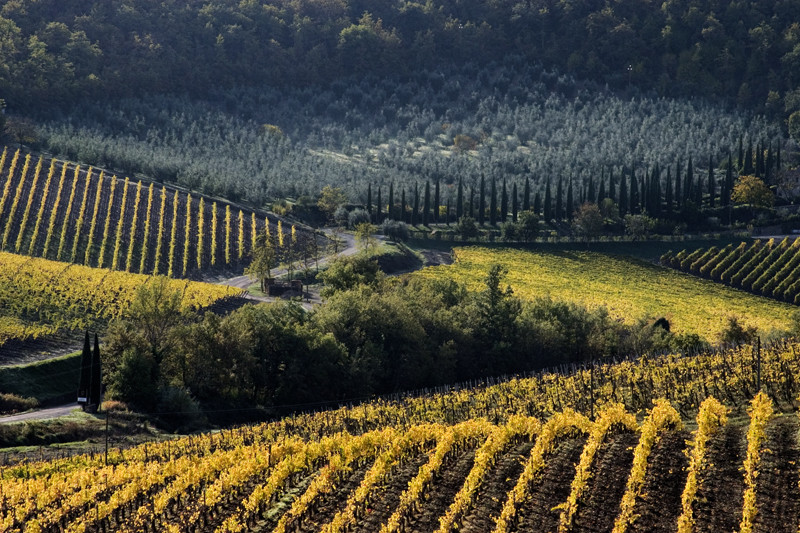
x: 630, y: 288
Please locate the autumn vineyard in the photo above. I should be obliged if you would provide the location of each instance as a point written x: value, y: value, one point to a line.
x: 767, y: 268
x: 66, y: 212
x: 548, y: 452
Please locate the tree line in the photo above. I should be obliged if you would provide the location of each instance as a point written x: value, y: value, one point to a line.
x: 373, y: 335
x: 53, y: 51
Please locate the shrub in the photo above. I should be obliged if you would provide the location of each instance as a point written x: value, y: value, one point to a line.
x: 11, y: 403
x: 395, y: 230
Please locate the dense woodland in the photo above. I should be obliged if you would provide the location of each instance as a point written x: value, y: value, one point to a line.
x: 373, y: 335
x: 55, y: 50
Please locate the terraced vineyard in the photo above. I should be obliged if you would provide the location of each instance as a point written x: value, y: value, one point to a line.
x: 62, y: 211
x: 40, y: 297
x: 429, y: 463
x: 630, y: 289
x: 768, y: 268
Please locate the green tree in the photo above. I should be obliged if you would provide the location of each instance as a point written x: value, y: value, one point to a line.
x: 588, y: 220
x: 264, y: 259
x: 466, y: 227
x: 794, y: 126
x: 345, y: 273
x: 330, y: 199
x: 365, y: 236
x: 752, y: 191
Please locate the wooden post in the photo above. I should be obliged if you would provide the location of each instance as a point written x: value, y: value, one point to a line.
x: 108, y: 414
x: 758, y: 364
x: 591, y: 391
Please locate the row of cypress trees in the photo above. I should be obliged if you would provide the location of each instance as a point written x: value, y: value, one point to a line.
x: 657, y: 192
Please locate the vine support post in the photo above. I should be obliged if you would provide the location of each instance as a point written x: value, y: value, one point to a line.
x: 591, y: 391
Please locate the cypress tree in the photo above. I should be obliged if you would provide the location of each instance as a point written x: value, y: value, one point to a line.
x: 537, y: 203
x: 369, y: 199
x: 725, y: 196
x: 437, y: 200
x: 391, y: 201
x: 570, y: 200
x: 778, y: 158
x: 688, y: 185
x: 548, y: 203
x: 698, y: 192
x: 644, y: 187
x: 403, y: 215
x: 514, y: 202
x: 612, y: 192
x: 378, y: 207
x: 591, y: 194
x: 768, y: 164
x: 426, y: 206
x: 623, y: 195
x: 633, y: 194
x: 85, y: 382
x: 482, y: 202
x: 601, y: 191
x: 96, y: 389
x: 759, y: 161
x: 678, y: 196
x: 712, y: 189
x: 504, y: 202
x: 447, y: 212
x: 493, y: 204
x: 559, y: 214
x: 740, y: 162
x: 526, y: 195
x: 668, y: 193
x: 460, y: 199
x: 415, y: 207
x: 748, y: 160
x: 472, y: 202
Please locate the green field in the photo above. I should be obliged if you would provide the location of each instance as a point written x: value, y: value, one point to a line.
x: 630, y: 288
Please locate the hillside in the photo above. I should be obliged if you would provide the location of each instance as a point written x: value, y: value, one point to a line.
x: 59, y: 210
x: 54, y: 50
x: 40, y: 298
x: 629, y: 288
x: 435, y: 463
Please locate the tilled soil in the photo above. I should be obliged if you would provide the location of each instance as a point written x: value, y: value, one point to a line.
x: 497, y: 483
x: 599, y: 506
x: 386, y: 497
x: 446, y: 486
x: 777, y: 493
x: 325, y: 507
x: 718, y: 501
x: 551, y: 488
x: 659, y: 506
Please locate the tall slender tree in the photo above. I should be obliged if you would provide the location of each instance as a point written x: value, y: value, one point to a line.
x: 415, y: 208
x: 504, y: 202
x: 688, y: 184
x: 403, y: 206
x: 537, y: 203
x: 471, y: 210
x: 712, y: 188
x: 85, y: 381
x: 612, y: 186
x: 96, y: 388
x: 437, y: 201
x: 426, y: 205
x: 668, y: 192
x: 514, y: 202
x: 678, y: 194
x: 391, y: 209
x: 526, y: 195
x: 624, y: 201
x: 493, y: 203
x: 748, y: 160
x: 559, y: 214
x: 369, y: 199
x: 548, y: 203
x: 379, y: 207
x: 482, y: 202
x: 460, y: 199
x: 570, y: 201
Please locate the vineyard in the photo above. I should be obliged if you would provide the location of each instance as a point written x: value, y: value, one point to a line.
x: 39, y: 297
x: 770, y: 268
x: 61, y: 211
x: 529, y: 454
x: 628, y: 288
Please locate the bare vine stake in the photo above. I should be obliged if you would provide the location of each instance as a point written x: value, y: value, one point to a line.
x: 758, y: 364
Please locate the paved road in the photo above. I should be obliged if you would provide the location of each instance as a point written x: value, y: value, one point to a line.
x: 41, y: 414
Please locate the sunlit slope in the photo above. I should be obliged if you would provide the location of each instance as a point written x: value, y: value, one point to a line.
x: 628, y: 287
